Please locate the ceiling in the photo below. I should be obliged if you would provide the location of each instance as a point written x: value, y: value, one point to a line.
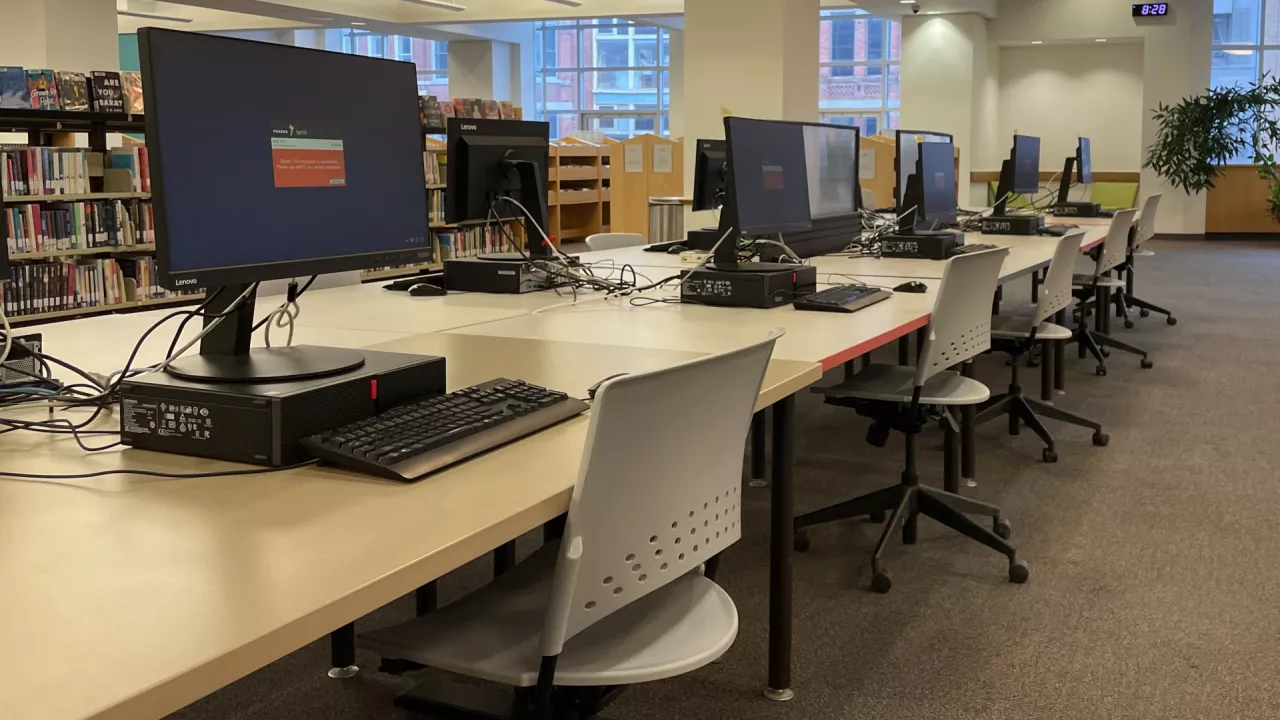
x: 382, y: 15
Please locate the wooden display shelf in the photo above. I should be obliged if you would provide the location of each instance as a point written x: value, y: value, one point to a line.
x: 578, y: 197
x: 389, y: 273
x: 105, y: 250
x: 15, y: 199
x: 575, y: 233
x: 69, y: 121
x: 104, y: 309
x: 579, y: 172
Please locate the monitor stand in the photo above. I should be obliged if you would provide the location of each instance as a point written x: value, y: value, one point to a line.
x: 532, y: 196
x: 225, y: 355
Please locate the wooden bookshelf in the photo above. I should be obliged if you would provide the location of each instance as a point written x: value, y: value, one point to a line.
x: 105, y: 250
x: 82, y: 197
x: 127, y: 306
x: 629, y: 192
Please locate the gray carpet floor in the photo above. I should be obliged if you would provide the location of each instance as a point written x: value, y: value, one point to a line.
x: 1154, y: 579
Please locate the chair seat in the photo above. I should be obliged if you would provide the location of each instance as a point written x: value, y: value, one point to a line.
x: 494, y: 633
x: 895, y: 383
x: 1090, y: 280
x: 1005, y: 326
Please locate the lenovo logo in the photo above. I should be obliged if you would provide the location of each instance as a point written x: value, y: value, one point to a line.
x: 469, y: 127
x: 996, y: 226
x: 188, y: 281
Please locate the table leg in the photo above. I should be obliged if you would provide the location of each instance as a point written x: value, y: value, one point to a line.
x: 904, y: 350
x: 782, y: 524
x: 425, y: 599
x: 758, y: 433
x: 504, y: 557
x: 950, y: 456
x: 921, y: 335
x: 968, y: 436
x: 1048, y: 363
x: 1060, y: 356
x: 342, y: 652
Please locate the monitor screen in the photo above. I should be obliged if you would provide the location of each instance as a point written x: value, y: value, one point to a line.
x: 1084, y: 159
x: 270, y: 161
x: 937, y: 169
x: 1026, y: 164
x: 769, y: 184
x: 831, y: 164
x: 907, y: 150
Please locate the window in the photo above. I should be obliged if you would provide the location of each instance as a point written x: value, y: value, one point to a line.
x: 1246, y: 45
x: 858, y: 73
x: 430, y: 56
x: 608, y: 74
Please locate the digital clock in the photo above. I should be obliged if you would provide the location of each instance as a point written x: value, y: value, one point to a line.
x: 1150, y: 9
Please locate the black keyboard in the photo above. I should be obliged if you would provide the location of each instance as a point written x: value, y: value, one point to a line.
x: 842, y: 298
x: 410, y: 441
x: 976, y: 247
x: 1057, y: 230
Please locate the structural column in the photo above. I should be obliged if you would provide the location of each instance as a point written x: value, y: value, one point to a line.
x: 78, y: 35
x: 750, y: 58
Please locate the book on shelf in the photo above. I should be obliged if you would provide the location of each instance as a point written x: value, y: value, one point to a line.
x: 44, y: 171
x: 435, y: 206
x: 43, y: 287
x: 447, y: 110
x: 84, y: 225
x: 132, y: 82
x: 465, y: 242
x: 42, y: 90
x: 13, y: 88
x: 106, y: 91
x: 73, y: 90
x: 429, y: 111
x: 432, y: 169
x: 142, y: 272
x: 135, y: 160
x: 506, y: 110
x: 489, y: 109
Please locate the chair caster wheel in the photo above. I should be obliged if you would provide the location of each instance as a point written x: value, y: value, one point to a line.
x: 1019, y: 572
x: 1106, y: 352
x: 1002, y: 528
x: 1147, y: 364
x: 1144, y: 312
x: 877, y: 517
x: 1101, y: 439
x: 1033, y: 363
x: 1101, y: 370
x: 881, y: 582
x: 1049, y: 456
x: 1128, y: 324
x: 1171, y: 320
x: 800, y: 542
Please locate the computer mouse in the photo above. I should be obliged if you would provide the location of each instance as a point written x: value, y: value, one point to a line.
x: 427, y: 290
x: 912, y: 286
x: 676, y: 249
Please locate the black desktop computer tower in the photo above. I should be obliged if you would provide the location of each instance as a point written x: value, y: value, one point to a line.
x: 1077, y: 209
x: 744, y: 288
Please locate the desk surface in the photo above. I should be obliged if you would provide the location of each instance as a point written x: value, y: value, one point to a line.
x: 131, y: 597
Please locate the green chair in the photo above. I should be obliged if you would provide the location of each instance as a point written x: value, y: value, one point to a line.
x: 1115, y: 195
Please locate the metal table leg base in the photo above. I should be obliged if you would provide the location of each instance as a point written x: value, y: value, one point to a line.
x: 781, y: 532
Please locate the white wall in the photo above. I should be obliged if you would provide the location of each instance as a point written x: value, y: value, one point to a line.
x: 1060, y: 92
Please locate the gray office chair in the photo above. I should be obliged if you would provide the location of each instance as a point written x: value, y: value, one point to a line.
x: 620, y: 599
x: 903, y: 398
x: 614, y: 241
x: 1095, y: 292
x: 1018, y: 335
x: 1145, y: 230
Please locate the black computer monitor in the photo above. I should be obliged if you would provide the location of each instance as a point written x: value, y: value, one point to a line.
x: 930, y: 193
x: 269, y: 162
x: 767, y: 191
x: 1020, y: 174
x: 709, y: 175
x: 906, y: 150
x: 831, y: 162
x: 1080, y: 165
x: 494, y: 159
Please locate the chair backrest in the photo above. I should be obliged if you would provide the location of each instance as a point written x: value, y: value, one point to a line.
x: 960, y: 326
x: 658, y: 493
x: 613, y: 241
x: 1055, y: 291
x: 1116, y: 246
x: 1147, y: 220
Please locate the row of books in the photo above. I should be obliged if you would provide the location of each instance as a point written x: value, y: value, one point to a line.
x: 35, y: 228
x: 435, y: 206
x: 468, y: 242
x: 99, y: 91
x: 432, y: 168
x: 44, y: 171
x: 134, y: 158
x: 52, y: 286
x: 434, y: 112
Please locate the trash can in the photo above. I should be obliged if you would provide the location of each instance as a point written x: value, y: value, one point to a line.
x: 666, y: 219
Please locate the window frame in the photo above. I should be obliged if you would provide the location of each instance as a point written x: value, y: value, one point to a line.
x: 841, y: 69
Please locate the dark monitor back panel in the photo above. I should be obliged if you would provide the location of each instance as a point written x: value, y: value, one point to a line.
x: 270, y: 161
x: 937, y: 181
x: 1026, y: 164
x: 769, y: 188
x: 709, y: 174
x: 906, y: 150
x: 477, y: 173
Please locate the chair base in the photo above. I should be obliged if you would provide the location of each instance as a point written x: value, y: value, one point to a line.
x: 1024, y: 410
x: 443, y: 699
x: 1145, y: 309
x: 1093, y: 342
x: 908, y: 501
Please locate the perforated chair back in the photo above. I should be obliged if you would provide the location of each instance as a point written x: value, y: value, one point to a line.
x: 1055, y: 291
x: 960, y: 326
x: 658, y: 493
x: 613, y: 241
x: 1147, y: 220
x: 1116, y: 246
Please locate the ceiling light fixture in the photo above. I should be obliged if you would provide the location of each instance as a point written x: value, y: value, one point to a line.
x: 906, y: 2
x: 154, y: 16
x: 358, y: 24
x: 1100, y: 40
x: 439, y: 4
x: 1037, y: 42
x: 934, y: 12
x: 321, y: 19
x: 570, y: 3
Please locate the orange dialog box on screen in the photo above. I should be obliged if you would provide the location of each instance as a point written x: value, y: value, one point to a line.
x: 308, y: 162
